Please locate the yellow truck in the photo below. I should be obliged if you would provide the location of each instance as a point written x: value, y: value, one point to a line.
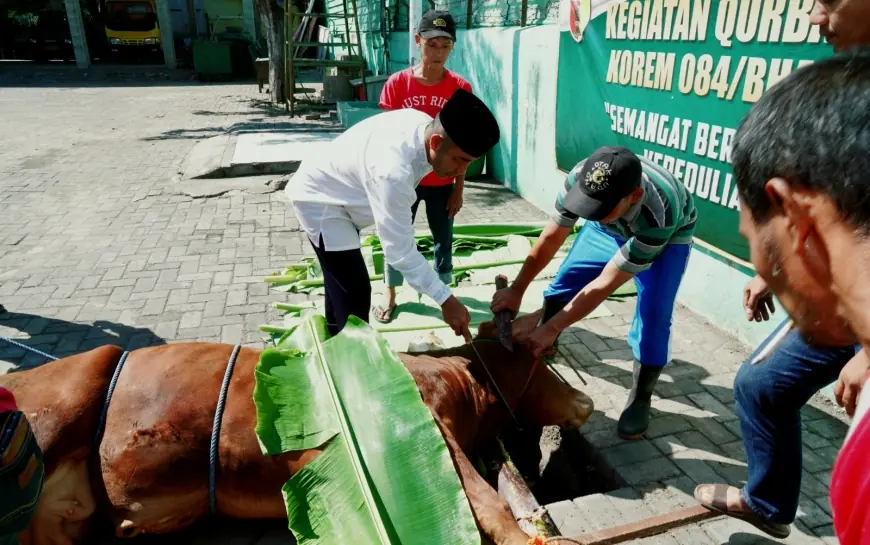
x: 131, y: 27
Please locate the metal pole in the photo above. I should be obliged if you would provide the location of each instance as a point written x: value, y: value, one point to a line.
x: 415, y: 11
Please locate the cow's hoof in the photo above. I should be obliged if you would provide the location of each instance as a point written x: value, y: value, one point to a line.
x: 127, y: 529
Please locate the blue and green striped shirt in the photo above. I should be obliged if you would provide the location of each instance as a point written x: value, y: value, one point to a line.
x: 665, y: 215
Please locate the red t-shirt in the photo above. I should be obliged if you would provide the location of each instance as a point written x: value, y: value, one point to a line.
x: 403, y: 90
x: 7, y: 401
x: 850, y: 481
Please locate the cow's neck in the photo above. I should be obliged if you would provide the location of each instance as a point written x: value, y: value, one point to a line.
x: 457, y: 387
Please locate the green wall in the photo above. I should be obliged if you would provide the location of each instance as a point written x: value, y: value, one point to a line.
x: 514, y: 70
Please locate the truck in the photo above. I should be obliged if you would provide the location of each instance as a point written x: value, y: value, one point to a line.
x: 132, y: 29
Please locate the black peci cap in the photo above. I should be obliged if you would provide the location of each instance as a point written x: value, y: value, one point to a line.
x: 437, y: 24
x: 607, y: 176
x: 469, y: 123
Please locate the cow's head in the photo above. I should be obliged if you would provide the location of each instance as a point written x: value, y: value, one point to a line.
x: 546, y: 400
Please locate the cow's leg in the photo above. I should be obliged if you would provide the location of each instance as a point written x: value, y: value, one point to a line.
x: 492, y: 513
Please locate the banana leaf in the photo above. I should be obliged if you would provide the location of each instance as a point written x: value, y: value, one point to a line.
x: 384, y: 476
x: 462, y: 245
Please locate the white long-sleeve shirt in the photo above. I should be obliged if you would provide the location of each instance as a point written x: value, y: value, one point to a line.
x: 369, y: 177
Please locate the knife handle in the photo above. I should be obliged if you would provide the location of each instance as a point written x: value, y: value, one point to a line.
x: 503, y: 318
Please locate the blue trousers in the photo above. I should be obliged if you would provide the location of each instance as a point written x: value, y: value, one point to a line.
x: 441, y: 226
x: 657, y: 287
x: 769, y: 396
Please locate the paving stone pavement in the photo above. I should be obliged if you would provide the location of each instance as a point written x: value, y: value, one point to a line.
x: 97, y: 246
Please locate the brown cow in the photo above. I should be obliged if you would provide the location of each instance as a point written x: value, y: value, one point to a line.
x: 151, y: 475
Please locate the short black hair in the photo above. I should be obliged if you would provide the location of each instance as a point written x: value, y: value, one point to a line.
x: 812, y: 129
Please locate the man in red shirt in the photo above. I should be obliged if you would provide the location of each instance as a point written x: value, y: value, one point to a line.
x: 427, y: 87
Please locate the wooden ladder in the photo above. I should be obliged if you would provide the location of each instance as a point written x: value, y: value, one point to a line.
x: 292, y: 49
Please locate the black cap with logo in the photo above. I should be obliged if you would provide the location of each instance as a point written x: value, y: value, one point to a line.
x: 437, y: 24
x: 607, y: 176
x: 469, y: 123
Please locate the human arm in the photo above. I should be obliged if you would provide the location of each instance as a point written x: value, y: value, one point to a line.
x: 586, y: 300
x: 851, y: 381
x: 758, y: 300
x: 391, y: 194
x: 634, y: 257
x: 454, y: 203
x: 545, y: 248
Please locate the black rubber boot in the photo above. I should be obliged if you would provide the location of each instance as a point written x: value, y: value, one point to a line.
x: 551, y: 308
x: 635, y: 417
x: 2, y: 309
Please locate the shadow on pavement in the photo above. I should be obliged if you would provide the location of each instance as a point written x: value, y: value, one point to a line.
x: 61, y: 338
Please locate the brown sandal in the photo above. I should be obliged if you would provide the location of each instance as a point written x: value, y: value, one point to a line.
x: 720, y: 505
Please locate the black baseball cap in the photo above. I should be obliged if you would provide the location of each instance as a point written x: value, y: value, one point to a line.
x: 469, y: 123
x: 607, y: 176
x: 437, y: 24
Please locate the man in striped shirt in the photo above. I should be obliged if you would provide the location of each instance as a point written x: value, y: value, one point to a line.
x: 639, y: 224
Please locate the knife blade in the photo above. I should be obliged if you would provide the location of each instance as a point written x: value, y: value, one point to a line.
x: 503, y: 318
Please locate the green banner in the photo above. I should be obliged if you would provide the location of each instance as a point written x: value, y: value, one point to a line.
x: 672, y: 79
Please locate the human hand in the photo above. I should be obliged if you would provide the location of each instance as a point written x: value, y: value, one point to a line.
x: 457, y: 317
x: 758, y: 300
x: 507, y: 299
x: 542, y: 339
x: 851, y: 380
x: 454, y: 203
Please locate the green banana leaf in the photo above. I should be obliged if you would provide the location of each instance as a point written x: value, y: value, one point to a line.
x: 462, y: 244
x: 384, y: 476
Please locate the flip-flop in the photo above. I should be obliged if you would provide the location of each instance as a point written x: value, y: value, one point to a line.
x: 382, y: 315
x: 720, y: 505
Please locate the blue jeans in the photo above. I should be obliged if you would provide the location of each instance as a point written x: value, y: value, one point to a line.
x: 441, y: 226
x: 769, y: 396
x: 650, y: 335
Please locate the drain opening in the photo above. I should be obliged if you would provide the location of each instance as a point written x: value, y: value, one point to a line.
x: 556, y: 464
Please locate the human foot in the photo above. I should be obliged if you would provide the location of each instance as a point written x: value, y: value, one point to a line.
x: 384, y: 311
x: 729, y: 501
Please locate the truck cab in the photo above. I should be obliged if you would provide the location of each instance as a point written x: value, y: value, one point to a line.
x: 131, y: 27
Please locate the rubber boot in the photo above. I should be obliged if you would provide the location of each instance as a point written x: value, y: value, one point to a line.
x: 551, y: 308
x: 2, y: 309
x: 635, y: 417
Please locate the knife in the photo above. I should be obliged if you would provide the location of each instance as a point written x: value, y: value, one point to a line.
x: 503, y: 318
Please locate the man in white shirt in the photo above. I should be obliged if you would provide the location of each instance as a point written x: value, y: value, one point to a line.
x: 368, y: 177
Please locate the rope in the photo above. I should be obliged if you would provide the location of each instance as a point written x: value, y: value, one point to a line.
x: 216, y: 431
x: 120, y: 365
x: 28, y: 348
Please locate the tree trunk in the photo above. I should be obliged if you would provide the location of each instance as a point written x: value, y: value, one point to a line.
x: 272, y: 19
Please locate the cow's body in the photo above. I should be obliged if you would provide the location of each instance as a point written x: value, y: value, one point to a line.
x: 150, y: 471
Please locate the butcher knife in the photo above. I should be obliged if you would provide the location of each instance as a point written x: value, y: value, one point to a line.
x: 503, y: 318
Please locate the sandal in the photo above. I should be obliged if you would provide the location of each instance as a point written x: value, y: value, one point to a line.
x: 383, y: 315
x: 719, y: 504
